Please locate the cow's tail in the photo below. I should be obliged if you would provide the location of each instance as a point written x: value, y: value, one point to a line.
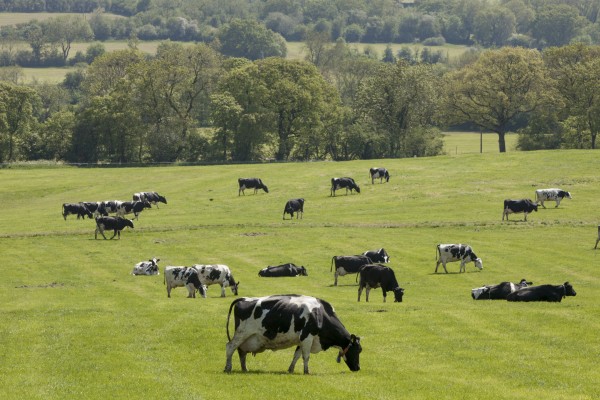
x: 233, y: 303
x: 332, y: 258
x: 438, y: 253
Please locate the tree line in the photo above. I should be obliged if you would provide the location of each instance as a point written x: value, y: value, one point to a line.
x: 190, y: 103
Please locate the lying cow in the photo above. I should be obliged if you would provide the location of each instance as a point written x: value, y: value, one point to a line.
x: 282, y: 270
x: 183, y: 276
x: 115, y: 224
x: 499, y: 291
x: 343, y: 183
x: 379, y: 173
x: 348, y: 265
x: 525, y: 206
x: 279, y: 322
x: 149, y: 267
x: 557, y: 195
x: 132, y: 207
x: 294, y: 206
x: 456, y: 252
x: 78, y: 209
x: 376, y: 275
x: 251, y: 183
x: 217, y: 274
x: 377, y: 256
x: 554, y: 293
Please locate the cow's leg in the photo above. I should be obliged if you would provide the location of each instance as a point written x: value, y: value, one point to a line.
x: 295, y: 359
x: 597, y: 240
x: 336, y: 278
x: 360, y: 289
x: 463, y: 267
x: 168, y: 291
x: 232, y: 346
x: 101, y: 230
x: 242, y: 355
x: 384, y: 294
x: 222, y: 291
x: 368, y: 289
x: 525, y: 214
x: 191, y: 290
x: 557, y: 202
x: 542, y: 202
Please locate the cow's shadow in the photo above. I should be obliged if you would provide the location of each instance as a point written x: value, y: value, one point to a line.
x: 452, y: 273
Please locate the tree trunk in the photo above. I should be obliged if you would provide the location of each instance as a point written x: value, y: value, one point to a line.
x: 501, y: 141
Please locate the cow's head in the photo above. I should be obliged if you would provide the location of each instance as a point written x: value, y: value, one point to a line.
x: 162, y: 199
x: 477, y: 292
x: 127, y: 222
x: 356, y: 188
x: 351, y: 354
x: 569, y: 291
x: 387, y: 176
x: 147, y: 204
x: 89, y: 214
x: 234, y: 288
x: 303, y: 271
x: 384, y: 255
x: 202, y: 290
x: 398, y: 293
x: 265, y: 188
x: 524, y: 283
x: 478, y: 263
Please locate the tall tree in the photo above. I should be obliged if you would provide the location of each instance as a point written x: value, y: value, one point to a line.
x: 250, y: 39
x: 65, y: 30
x: 17, y: 117
x: 499, y: 87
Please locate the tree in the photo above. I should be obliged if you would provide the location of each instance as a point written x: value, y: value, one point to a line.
x: 17, y: 117
x: 555, y: 24
x: 493, y: 26
x: 67, y: 29
x: 501, y: 86
x: 249, y: 39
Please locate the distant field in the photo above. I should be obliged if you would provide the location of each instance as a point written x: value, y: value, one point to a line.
x: 19, y: 18
x: 469, y: 142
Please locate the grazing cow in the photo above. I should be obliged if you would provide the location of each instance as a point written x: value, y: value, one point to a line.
x: 78, y: 209
x: 373, y: 276
x: 598, y: 239
x: 348, y: 265
x: 456, y: 252
x: 499, y: 291
x: 276, y: 271
x: 525, y: 206
x: 282, y: 321
x: 116, y: 224
x: 251, y: 183
x: 341, y: 183
x: 110, y: 206
x: 294, y: 206
x: 217, y: 274
x: 135, y: 207
x: 543, y: 293
x: 149, y: 267
x: 380, y: 173
x: 95, y: 208
x: 155, y: 198
x: 378, y: 256
x: 184, y: 276
x: 557, y: 195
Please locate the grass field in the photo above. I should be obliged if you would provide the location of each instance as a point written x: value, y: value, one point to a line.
x: 76, y: 324
x: 470, y: 142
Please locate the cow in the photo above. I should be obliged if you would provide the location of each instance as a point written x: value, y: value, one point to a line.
x: 377, y: 256
x: 96, y: 208
x: 78, y: 209
x: 282, y: 321
x: 251, y: 183
x: 499, y: 291
x: 149, y: 267
x: 348, y: 265
x: 116, y: 224
x: 341, y: 183
x: 525, y: 206
x: 294, y: 206
x: 554, y: 293
x: 183, y: 276
x: 135, y: 207
x: 276, y: 271
x: 110, y: 206
x: 557, y: 195
x: 456, y: 252
x: 217, y: 274
x: 598, y: 239
x: 373, y: 276
x: 380, y: 173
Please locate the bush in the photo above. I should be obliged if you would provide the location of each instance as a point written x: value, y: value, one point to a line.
x: 434, y: 41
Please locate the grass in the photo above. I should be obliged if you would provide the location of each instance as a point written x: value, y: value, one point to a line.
x: 78, y: 325
x: 10, y: 18
x: 471, y: 142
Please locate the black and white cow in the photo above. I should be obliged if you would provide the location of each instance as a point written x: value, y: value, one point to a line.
x: 183, y: 277
x: 251, y: 183
x: 116, y: 224
x: 525, y: 206
x: 294, y: 206
x: 129, y: 207
x: 554, y: 293
x: 217, y: 274
x: 373, y: 276
x: 377, y: 256
x: 155, y: 198
x: 282, y: 321
x: 557, y: 195
x: 95, y: 208
x: 379, y: 173
x: 348, y: 265
x: 110, y: 206
x: 598, y: 239
x: 341, y: 183
x: 456, y: 252
x: 276, y: 271
x: 149, y: 267
x: 499, y: 291
x: 78, y: 209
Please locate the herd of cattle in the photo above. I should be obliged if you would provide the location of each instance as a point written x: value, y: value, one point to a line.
x: 282, y: 321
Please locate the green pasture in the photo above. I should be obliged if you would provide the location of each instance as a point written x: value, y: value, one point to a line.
x: 456, y: 143
x: 76, y: 324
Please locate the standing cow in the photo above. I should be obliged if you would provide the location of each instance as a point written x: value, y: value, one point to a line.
x: 151, y: 197
x: 557, y: 195
x: 341, y: 183
x: 379, y: 173
x: 348, y: 265
x: 282, y: 321
x: 276, y: 271
x: 217, y: 274
x: 377, y: 256
x: 499, y: 291
x: 251, y: 183
x: 376, y: 275
x: 553, y: 293
x: 183, y: 276
x: 129, y: 207
x: 115, y: 224
x: 525, y: 206
x: 78, y: 209
x: 149, y: 267
x: 456, y: 252
x: 294, y: 206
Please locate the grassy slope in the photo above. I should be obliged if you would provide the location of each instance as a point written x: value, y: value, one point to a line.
x: 76, y: 324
